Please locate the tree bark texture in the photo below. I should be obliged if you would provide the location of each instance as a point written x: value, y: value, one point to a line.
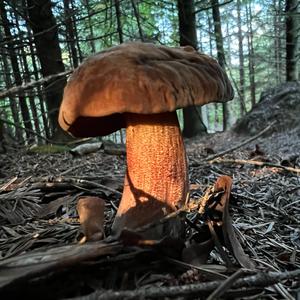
x: 119, y: 23
x: 71, y: 41
x: 193, y: 124
x: 12, y: 102
x: 292, y: 10
x: 44, y: 27
x: 41, y: 97
x: 16, y: 71
x: 251, y: 60
x: 220, y: 50
x: 241, y: 60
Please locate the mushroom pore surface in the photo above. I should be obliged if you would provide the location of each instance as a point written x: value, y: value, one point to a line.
x: 156, y: 180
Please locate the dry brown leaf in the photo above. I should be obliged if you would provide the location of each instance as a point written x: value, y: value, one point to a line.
x: 224, y: 184
x: 91, y: 217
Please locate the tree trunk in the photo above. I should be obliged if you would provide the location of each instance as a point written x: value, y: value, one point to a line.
x: 16, y: 71
x: 193, y: 124
x: 26, y: 77
x: 70, y: 32
x: 277, y: 41
x: 12, y: 102
x: 91, y: 37
x: 119, y: 23
x: 220, y: 50
x: 215, y: 117
x: 292, y: 8
x: 251, y: 59
x: 41, y: 100
x: 138, y: 21
x: 44, y: 27
x: 241, y: 60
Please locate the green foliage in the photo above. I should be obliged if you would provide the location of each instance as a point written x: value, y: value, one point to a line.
x: 95, y: 28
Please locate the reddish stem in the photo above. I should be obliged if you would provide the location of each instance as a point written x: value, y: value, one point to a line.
x: 156, y: 180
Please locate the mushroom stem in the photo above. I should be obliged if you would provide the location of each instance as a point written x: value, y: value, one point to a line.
x: 156, y: 180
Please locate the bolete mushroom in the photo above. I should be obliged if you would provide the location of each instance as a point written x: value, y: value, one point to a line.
x: 139, y: 86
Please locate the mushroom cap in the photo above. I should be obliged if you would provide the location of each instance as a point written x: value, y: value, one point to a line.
x: 139, y: 78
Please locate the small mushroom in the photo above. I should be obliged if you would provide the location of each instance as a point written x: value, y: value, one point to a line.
x: 139, y: 86
x: 91, y: 218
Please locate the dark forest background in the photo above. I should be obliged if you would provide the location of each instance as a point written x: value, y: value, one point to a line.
x: 42, y: 41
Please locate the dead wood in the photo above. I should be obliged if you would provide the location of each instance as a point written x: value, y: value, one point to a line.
x: 201, y: 289
x: 226, y: 284
x: 31, y: 84
x: 255, y: 163
x: 86, y: 148
x: 63, y: 183
x: 24, y: 267
x: 222, y: 153
x: 209, y: 271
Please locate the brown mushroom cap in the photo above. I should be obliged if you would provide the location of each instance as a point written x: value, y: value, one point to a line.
x: 138, y: 78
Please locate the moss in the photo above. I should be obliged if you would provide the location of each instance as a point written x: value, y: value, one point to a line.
x: 47, y: 149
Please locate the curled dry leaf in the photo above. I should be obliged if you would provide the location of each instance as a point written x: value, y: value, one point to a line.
x: 224, y: 184
x: 91, y: 217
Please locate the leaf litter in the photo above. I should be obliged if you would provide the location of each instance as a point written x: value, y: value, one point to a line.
x: 240, y: 243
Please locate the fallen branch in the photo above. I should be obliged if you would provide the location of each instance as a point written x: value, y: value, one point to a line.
x: 261, y: 279
x: 212, y: 157
x: 254, y: 162
x: 226, y: 285
x: 34, y: 264
x: 17, y: 89
x: 65, y: 182
x: 210, y: 274
x: 25, y: 129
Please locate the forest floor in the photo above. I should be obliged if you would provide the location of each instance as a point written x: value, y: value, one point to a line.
x: 38, y: 195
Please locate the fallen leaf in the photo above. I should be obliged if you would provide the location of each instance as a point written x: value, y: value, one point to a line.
x: 224, y: 184
x: 91, y: 217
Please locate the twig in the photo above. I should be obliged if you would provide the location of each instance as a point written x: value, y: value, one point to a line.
x: 262, y: 279
x: 6, y: 185
x: 283, y: 291
x: 207, y: 272
x: 212, y: 157
x: 254, y: 162
x: 25, y: 129
x: 209, y: 7
x: 93, y: 184
x: 61, y: 181
x: 221, y: 290
x: 70, y: 170
x: 17, y: 89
